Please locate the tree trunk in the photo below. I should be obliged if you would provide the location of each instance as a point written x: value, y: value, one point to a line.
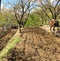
x: 45, y: 21
x: 54, y: 16
x: 20, y: 26
x: 42, y: 22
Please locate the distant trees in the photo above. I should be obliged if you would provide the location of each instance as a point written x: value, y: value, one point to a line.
x: 6, y: 17
x: 47, y: 9
x: 52, y: 8
x: 33, y: 20
x: 42, y: 15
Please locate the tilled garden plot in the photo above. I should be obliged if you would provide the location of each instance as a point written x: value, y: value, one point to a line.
x: 5, y: 38
x: 36, y: 45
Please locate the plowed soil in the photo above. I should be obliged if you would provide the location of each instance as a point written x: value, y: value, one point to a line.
x: 36, y: 45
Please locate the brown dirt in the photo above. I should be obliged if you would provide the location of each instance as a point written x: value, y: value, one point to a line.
x: 36, y: 45
x: 47, y: 28
x: 5, y: 38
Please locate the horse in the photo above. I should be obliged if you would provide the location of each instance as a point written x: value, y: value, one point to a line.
x: 53, y: 23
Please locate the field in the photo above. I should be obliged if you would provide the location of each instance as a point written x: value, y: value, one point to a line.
x: 36, y: 45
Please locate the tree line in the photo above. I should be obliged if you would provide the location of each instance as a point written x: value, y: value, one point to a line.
x: 45, y: 9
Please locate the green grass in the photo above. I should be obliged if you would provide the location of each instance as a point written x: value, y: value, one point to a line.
x: 15, y: 39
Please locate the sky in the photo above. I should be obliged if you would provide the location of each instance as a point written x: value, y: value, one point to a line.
x: 6, y: 4
x: 3, y: 3
x: 51, y: 0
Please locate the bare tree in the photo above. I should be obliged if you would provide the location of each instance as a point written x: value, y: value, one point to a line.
x: 22, y: 10
x: 53, y: 7
x: 43, y: 16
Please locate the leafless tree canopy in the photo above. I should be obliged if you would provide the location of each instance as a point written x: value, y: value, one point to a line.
x: 22, y: 10
x: 52, y: 6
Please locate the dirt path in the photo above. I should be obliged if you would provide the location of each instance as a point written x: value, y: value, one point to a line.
x: 46, y: 27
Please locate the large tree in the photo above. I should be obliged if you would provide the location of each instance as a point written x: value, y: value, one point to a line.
x: 22, y: 10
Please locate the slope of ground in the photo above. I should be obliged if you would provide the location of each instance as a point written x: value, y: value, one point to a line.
x: 36, y: 45
x: 4, y: 39
x: 10, y: 45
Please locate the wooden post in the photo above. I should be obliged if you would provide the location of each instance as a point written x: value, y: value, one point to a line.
x: 0, y: 5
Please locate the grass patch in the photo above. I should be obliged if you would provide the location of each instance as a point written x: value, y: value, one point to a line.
x: 13, y: 41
